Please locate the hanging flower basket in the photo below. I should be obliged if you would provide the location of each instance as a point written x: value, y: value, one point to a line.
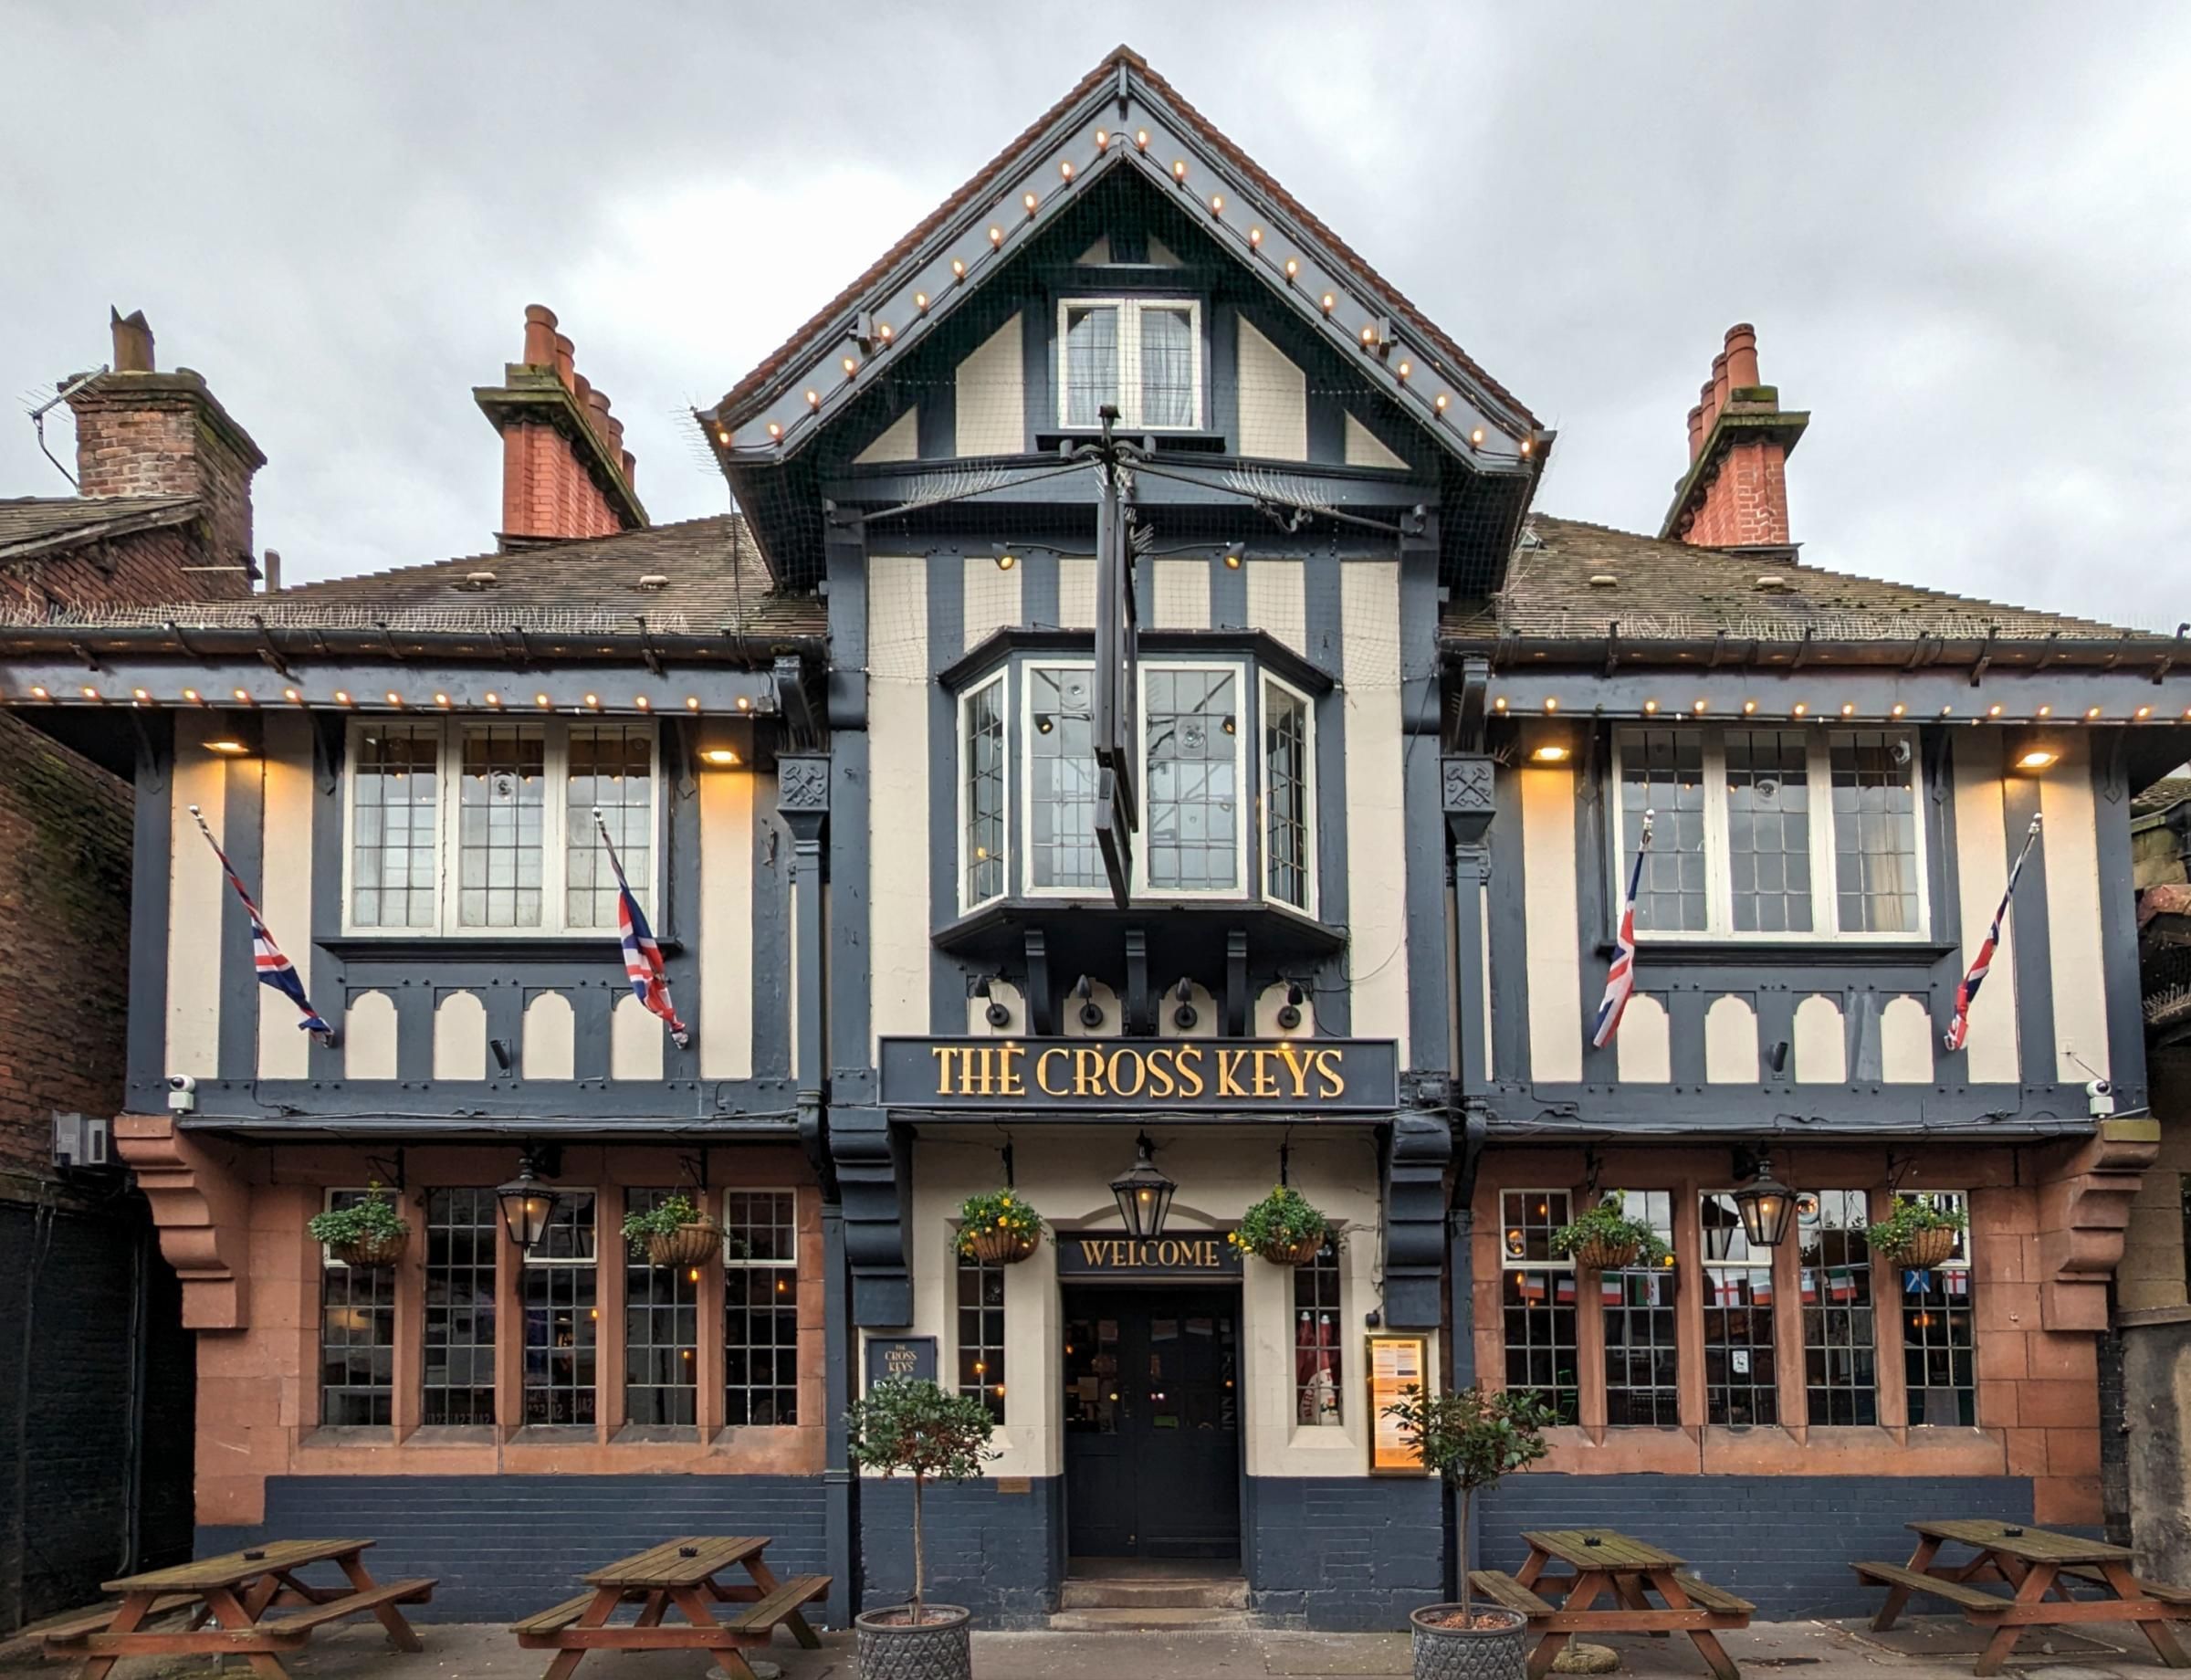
x: 1917, y: 1233
x: 1603, y: 1238
x: 1604, y: 1253
x: 375, y: 1248
x: 1927, y: 1249
x: 1299, y: 1252
x: 998, y: 1228
x: 686, y: 1245
x: 1285, y: 1228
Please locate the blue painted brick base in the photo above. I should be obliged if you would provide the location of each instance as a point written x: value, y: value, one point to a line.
x: 1343, y: 1552
x: 1000, y: 1555
x: 503, y: 1546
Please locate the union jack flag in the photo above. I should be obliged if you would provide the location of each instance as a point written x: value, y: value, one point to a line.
x: 274, y: 969
x: 1621, y: 975
x: 643, y: 962
x: 1958, y: 1026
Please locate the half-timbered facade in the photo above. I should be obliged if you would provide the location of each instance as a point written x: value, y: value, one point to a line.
x: 1137, y: 710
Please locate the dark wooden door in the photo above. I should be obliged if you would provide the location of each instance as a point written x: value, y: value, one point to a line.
x: 1152, y: 1423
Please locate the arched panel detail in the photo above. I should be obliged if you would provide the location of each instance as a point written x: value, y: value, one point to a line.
x: 1821, y: 1047
x: 368, y: 1038
x: 1205, y: 1012
x: 1268, y: 1002
x: 460, y: 1036
x: 550, y: 1038
x: 1731, y: 1041
x: 1104, y: 998
x: 1004, y: 994
x: 1644, y: 1047
x: 1905, y: 1043
x: 634, y: 1041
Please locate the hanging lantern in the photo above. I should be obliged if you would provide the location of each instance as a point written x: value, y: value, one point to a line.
x: 527, y: 1205
x: 1766, y: 1205
x: 1143, y: 1194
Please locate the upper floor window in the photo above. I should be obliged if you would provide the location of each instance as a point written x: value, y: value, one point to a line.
x: 1771, y: 832
x: 1141, y: 355
x: 460, y: 828
x: 1201, y: 746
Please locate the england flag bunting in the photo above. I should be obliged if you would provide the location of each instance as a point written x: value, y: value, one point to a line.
x: 1621, y: 975
x: 642, y: 964
x: 274, y: 969
x: 1958, y: 1026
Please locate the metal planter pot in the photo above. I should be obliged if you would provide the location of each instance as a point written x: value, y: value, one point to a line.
x: 935, y: 1650
x: 1472, y: 1653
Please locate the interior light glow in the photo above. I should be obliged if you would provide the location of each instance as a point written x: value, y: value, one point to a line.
x: 1550, y: 752
x: 2037, y: 757
x: 718, y: 755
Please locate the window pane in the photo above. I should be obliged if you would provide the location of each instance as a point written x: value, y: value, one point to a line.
x: 1839, y: 1367
x: 1739, y: 1380
x: 1192, y: 800
x: 661, y: 1332
x: 1641, y: 1370
x: 357, y: 1337
x: 1060, y: 800
x: 612, y: 766
x: 1091, y: 362
x: 1874, y: 829
x: 563, y: 1317
x: 1167, y: 367
x: 1939, y: 1334
x: 761, y: 1308
x: 396, y: 790
x: 982, y: 764
x: 1663, y: 770
x: 500, y: 807
x: 1286, y: 795
x: 1537, y: 1294
x: 1317, y: 1387
x: 981, y: 1334
x: 463, y: 1234
x: 1768, y: 830
x: 1092, y: 1392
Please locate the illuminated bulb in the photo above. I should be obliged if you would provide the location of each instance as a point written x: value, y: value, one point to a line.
x: 775, y: 430
x: 1499, y: 703
x: 718, y: 755
x: 38, y: 691
x: 996, y: 237
x: 1217, y: 204
x: 1103, y: 139
x: 1748, y: 706
x: 1898, y: 709
x: 244, y: 694
x: 394, y: 698
x: 1369, y: 333
x: 1993, y: 712
x: 1698, y: 707
x: 851, y: 365
x: 920, y: 301
x: 692, y: 702
x: 188, y: 694
x: 1141, y: 139
x: 2038, y: 758
x: 958, y: 270
x: 1801, y: 708
x: 1651, y: 706
x: 1949, y: 711
x: 1027, y: 202
x: 441, y: 699
x: 594, y: 699
x: 1550, y: 753
x: 814, y: 399
x: 539, y: 699
x: 641, y: 702
x: 1529, y: 444
x: 1178, y: 169
x: 1551, y: 702
x: 1848, y: 708
x: 1329, y: 301
x: 722, y: 435
x: 2143, y: 711
x: 2046, y: 711
x: 141, y: 695
x: 744, y: 703
x: 882, y: 331
x: 1292, y: 268
x: 1441, y: 402
x: 2090, y: 713
x: 1254, y: 235
x: 341, y: 697
x: 493, y: 698
x: 1477, y: 437
x: 1065, y: 169
x: 93, y: 694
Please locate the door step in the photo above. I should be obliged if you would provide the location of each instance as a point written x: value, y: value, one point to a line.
x: 1154, y: 1621
x: 1143, y: 1592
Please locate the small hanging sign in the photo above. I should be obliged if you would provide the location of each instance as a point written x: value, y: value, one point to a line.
x: 910, y: 1359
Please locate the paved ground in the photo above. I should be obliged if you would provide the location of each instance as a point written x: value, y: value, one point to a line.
x: 1920, y: 1649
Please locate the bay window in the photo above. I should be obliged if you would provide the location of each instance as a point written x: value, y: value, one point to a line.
x: 1772, y: 832
x: 488, y: 827
x: 1141, y: 356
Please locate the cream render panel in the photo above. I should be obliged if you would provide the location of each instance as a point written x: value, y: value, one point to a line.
x: 1644, y: 1047
x: 636, y: 1037
x: 551, y: 1047
x: 724, y: 1029
x: 1552, y: 925
x: 1981, y: 873
x: 897, y: 806
x: 2069, y: 851
x: 1076, y: 591
x: 900, y: 441
x: 285, y: 889
x: 1278, y: 601
x: 1274, y: 400
x: 1731, y: 1041
x: 1376, y: 888
x: 1366, y: 448
x: 991, y: 598
x: 196, y: 901
x: 461, y: 1038
x: 991, y: 399
x: 1181, y: 595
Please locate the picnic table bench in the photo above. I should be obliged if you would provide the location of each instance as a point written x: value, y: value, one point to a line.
x: 2032, y: 1562
x: 1605, y: 1560
x: 681, y: 1573
x: 228, y: 1598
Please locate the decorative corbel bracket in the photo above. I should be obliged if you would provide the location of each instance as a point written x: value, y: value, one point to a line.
x: 1416, y: 1156
x: 2083, y: 1214
x: 202, y: 1209
x: 1469, y: 783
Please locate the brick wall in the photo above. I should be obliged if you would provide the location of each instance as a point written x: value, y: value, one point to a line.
x: 164, y: 434
x: 995, y: 1553
x: 150, y: 565
x: 1341, y: 1552
x: 502, y: 1547
x: 547, y: 491
x: 1747, y: 502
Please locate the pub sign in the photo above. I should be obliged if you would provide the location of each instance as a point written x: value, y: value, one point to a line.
x: 1294, y: 1078
x: 908, y: 1359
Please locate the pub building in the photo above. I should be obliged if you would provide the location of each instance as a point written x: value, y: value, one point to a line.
x: 1137, y: 743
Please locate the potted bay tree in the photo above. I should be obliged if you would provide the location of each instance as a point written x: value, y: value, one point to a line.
x: 914, y: 1426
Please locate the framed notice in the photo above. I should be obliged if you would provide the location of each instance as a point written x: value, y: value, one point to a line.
x: 1395, y: 1364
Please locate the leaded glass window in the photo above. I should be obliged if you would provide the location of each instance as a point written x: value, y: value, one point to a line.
x: 983, y: 750
x: 661, y: 1332
x: 1939, y: 1333
x: 1190, y: 829
x: 357, y: 1336
x: 501, y: 796
x: 1319, y: 1386
x: 1768, y: 830
x: 1875, y: 829
x: 1643, y: 1368
x: 463, y: 1235
x: 760, y: 1307
x: 394, y: 816
x: 1663, y: 771
x: 1061, y: 799
x: 1537, y: 1293
x: 1739, y: 1370
x: 563, y: 1316
x: 1841, y: 1377
x: 611, y: 768
x: 1141, y: 355
x: 981, y: 1334
x: 1286, y: 806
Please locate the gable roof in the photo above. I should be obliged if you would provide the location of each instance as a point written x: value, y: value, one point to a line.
x: 32, y: 525
x: 986, y: 180
x: 1669, y: 593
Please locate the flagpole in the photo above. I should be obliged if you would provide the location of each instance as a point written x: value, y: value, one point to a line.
x: 642, y: 945
x: 314, y: 1022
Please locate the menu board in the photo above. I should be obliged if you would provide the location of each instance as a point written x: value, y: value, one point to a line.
x: 1395, y: 1365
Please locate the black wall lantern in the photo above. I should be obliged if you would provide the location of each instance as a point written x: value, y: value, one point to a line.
x: 1143, y: 1194
x: 1766, y: 1205
x: 527, y: 1205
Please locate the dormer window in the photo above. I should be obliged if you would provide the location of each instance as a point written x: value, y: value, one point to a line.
x: 1141, y: 355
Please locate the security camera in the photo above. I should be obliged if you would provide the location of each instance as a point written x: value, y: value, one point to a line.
x: 181, y: 1093
x: 2100, y: 1099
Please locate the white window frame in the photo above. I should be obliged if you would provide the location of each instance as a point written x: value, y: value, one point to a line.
x: 1024, y: 760
x: 1308, y: 791
x: 967, y: 900
x: 554, y: 828
x: 1130, y: 356
x: 723, y: 1212
x: 1245, y: 810
x: 326, y: 1205
x: 1719, y: 896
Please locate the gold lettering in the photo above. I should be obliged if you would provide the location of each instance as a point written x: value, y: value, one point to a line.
x: 1141, y: 1071
x: 973, y: 1071
x: 1191, y: 1072
x: 1327, y: 1066
x: 943, y: 1054
x: 1010, y: 1082
x: 1042, y: 1071
x: 1228, y: 1073
x: 1088, y: 1073
x: 1160, y: 1081
x: 1264, y: 1085
x: 1297, y: 1066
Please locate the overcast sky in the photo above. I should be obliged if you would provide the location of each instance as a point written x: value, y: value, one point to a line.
x: 1963, y: 234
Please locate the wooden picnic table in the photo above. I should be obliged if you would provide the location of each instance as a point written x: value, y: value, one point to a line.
x: 1607, y: 1561
x: 227, y: 1599
x: 2032, y: 1562
x: 680, y: 1572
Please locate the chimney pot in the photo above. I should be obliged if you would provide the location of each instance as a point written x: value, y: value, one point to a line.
x: 564, y: 366
x: 270, y: 569
x: 1720, y: 384
x: 597, y: 414
x: 1696, y: 430
x: 133, y: 341
x: 1742, y: 357
x: 630, y: 470
x: 582, y: 389
x: 539, y: 335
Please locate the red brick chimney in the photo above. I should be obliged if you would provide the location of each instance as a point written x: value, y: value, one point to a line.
x: 140, y: 432
x: 565, y: 471
x: 1734, y: 494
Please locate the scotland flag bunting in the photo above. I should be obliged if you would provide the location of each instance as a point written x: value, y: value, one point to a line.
x: 274, y: 969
